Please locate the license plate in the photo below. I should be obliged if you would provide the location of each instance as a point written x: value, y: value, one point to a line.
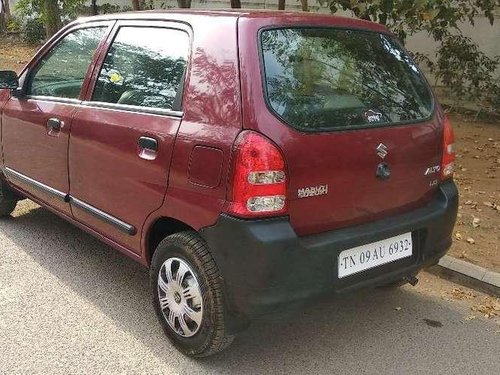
x: 374, y: 254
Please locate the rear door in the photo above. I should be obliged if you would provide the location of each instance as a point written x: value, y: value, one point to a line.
x: 123, y: 134
x: 36, y: 125
x: 354, y: 119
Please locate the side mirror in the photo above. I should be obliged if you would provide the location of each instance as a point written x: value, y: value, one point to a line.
x: 8, y: 80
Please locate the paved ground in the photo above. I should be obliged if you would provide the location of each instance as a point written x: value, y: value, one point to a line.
x: 69, y: 304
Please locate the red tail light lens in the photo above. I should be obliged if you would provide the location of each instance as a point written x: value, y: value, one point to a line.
x: 259, y: 178
x: 448, y: 161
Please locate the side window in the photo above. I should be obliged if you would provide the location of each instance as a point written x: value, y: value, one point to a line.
x: 144, y: 67
x: 62, y: 70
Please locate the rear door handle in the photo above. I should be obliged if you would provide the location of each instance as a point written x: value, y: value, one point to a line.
x: 147, y: 148
x: 54, y: 126
x: 148, y: 143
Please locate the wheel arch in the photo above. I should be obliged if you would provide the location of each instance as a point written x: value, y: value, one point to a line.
x: 158, y: 230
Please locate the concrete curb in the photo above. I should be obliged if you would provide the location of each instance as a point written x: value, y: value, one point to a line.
x: 467, y: 274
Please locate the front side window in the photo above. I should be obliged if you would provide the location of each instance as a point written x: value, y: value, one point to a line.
x: 62, y: 71
x: 144, y: 67
x: 321, y: 79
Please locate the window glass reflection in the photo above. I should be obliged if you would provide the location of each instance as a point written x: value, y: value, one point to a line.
x: 62, y: 71
x: 144, y: 67
x: 319, y: 79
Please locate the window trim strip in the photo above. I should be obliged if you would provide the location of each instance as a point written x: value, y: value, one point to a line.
x: 132, y: 108
x: 54, y: 99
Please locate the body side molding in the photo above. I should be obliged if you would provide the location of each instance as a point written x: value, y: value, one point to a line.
x: 121, y: 225
x: 36, y: 184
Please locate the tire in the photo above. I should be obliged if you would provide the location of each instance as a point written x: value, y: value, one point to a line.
x: 187, y: 250
x: 8, y: 199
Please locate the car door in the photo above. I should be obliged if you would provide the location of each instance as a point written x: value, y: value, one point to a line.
x: 37, y: 122
x: 123, y: 135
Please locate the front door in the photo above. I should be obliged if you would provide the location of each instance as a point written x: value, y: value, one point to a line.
x: 36, y: 125
x: 122, y: 136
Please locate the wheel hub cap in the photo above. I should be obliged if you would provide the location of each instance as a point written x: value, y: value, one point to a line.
x: 177, y: 297
x: 180, y: 297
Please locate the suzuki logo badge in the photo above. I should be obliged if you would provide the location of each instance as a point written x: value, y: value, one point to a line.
x: 382, y: 151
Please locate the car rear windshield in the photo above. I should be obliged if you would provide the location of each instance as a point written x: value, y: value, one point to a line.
x: 321, y: 79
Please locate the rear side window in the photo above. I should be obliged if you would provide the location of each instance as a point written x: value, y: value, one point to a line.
x: 144, y: 67
x: 321, y: 79
x: 62, y: 71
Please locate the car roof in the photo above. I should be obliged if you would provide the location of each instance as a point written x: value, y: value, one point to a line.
x: 275, y: 15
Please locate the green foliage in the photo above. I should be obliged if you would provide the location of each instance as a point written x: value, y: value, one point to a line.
x: 68, y: 7
x: 13, y: 25
x: 30, y: 10
x: 33, y: 31
x: 404, y: 17
x: 26, y: 8
x: 112, y: 8
x: 466, y: 72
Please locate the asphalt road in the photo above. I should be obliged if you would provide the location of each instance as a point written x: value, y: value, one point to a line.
x: 69, y: 305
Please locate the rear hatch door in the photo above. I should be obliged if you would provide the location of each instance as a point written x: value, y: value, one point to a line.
x: 355, y: 120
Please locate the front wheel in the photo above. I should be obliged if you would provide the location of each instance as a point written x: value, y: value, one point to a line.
x: 188, y: 295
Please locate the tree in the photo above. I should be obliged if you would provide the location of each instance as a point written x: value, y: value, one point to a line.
x: 457, y: 57
x: 236, y: 4
x: 6, y: 9
x: 184, y: 3
x: 305, y: 5
x: 3, y: 23
x: 136, y: 5
x: 281, y: 4
x: 4, y: 15
x: 52, y: 17
x: 438, y: 17
x: 50, y: 12
x: 93, y: 7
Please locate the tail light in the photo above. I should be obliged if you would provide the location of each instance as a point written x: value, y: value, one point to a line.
x: 448, y: 161
x: 259, y: 178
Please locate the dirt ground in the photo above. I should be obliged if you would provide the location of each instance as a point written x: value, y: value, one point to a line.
x: 13, y: 55
x: 477, y: 233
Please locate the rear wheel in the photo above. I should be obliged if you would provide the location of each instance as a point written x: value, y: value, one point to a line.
x: 188, y: 295
x: 8, y: 199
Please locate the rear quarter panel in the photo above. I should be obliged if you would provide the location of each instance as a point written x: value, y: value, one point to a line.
x: 212, y: 120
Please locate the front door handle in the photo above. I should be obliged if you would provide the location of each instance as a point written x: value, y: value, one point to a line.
x: 54, y: 124
x: 148, y: 143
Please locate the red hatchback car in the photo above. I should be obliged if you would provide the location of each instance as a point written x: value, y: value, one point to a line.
x: 251, y: 159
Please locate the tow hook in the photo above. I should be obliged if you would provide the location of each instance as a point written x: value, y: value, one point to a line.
x: 412, y: 280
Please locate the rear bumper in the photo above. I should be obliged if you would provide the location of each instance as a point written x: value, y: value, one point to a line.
x: 265, y: 264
